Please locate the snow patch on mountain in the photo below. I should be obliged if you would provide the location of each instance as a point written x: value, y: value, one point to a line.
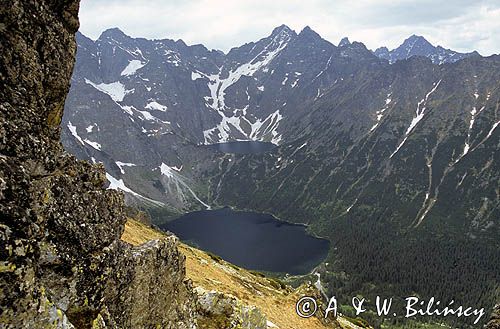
x: 224, y: 128
x: 73, y: 131
x: 218, y: 85
x: 153, y: 105
x: 179, y: 182
x: 148, y: 116
x: 145, y: 115
x: 127, y: 109
x: 172, y: 57
x: 324, y: 69
x: 258, y: 129
x: 95, y: 145
x: 166, y: 170
x: 115, y: 90
x: 419, y: 115
x: 474, y: 113
x: 495, y: 125
x: 124, y: 164
x: 118, y: 184
x: 132, y: 67
x: 380, y: 113
x: 196, y: 75
x: 267, y: 126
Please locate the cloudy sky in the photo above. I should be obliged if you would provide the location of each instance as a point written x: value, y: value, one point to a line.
x: 462, y: 25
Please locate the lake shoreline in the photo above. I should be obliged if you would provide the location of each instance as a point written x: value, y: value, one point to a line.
x: 254, y: 240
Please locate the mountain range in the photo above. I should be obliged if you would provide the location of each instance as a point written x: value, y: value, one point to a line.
x: 392, y: 155
x: 418, y: 46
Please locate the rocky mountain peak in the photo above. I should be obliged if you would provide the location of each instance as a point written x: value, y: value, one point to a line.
x: 416, y: 38
x: 344, y: 42
x: 415, y: 42
x: 417, y: 45
x: 308, y: 32
x: 381, y: 51
x: 282, y: 29
x: 113, y: 33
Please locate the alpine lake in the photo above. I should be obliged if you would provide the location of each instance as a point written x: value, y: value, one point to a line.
x: 252, y: 240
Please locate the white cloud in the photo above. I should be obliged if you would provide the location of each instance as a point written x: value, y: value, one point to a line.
x: 221, y: 24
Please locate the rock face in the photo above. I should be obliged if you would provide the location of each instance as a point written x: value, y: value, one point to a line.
x: 62, y: 264
x: 146, y: 288
x: 225, y: 311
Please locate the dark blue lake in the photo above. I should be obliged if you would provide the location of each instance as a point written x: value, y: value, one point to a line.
x: 251, y: 240
x: 243, y: 147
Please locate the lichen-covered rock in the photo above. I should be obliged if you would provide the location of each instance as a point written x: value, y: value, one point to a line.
x: 147, y: 288
x: 221, y: 311
x: 62, y: 264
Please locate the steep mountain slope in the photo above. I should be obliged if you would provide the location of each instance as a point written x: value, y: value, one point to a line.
x: 215, y: 279
x: 418, y: 46
x: 144, y: 107
x: 403, y: 162
x: 373, y: 131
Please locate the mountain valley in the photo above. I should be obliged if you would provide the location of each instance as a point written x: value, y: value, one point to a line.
x: 391, y: 155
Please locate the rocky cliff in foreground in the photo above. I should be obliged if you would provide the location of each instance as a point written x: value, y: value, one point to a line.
x: 62, y: 264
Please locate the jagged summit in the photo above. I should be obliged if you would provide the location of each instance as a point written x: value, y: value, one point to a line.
x: 416, y: 37
x: 356, y: 50
x: 416, y: 45
x: 310, y: 33
x: 381, y: 51
x: 417, y: 41
x: 113, y: 32
x: 344, y: 42
x: 281, y: 28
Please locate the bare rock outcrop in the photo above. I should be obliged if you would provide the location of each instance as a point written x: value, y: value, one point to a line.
x: 62, y: 264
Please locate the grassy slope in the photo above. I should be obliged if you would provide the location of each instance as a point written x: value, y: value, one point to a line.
x: 212, y: 273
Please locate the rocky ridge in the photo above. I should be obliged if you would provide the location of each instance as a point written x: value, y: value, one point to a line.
x: 417, y: 45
